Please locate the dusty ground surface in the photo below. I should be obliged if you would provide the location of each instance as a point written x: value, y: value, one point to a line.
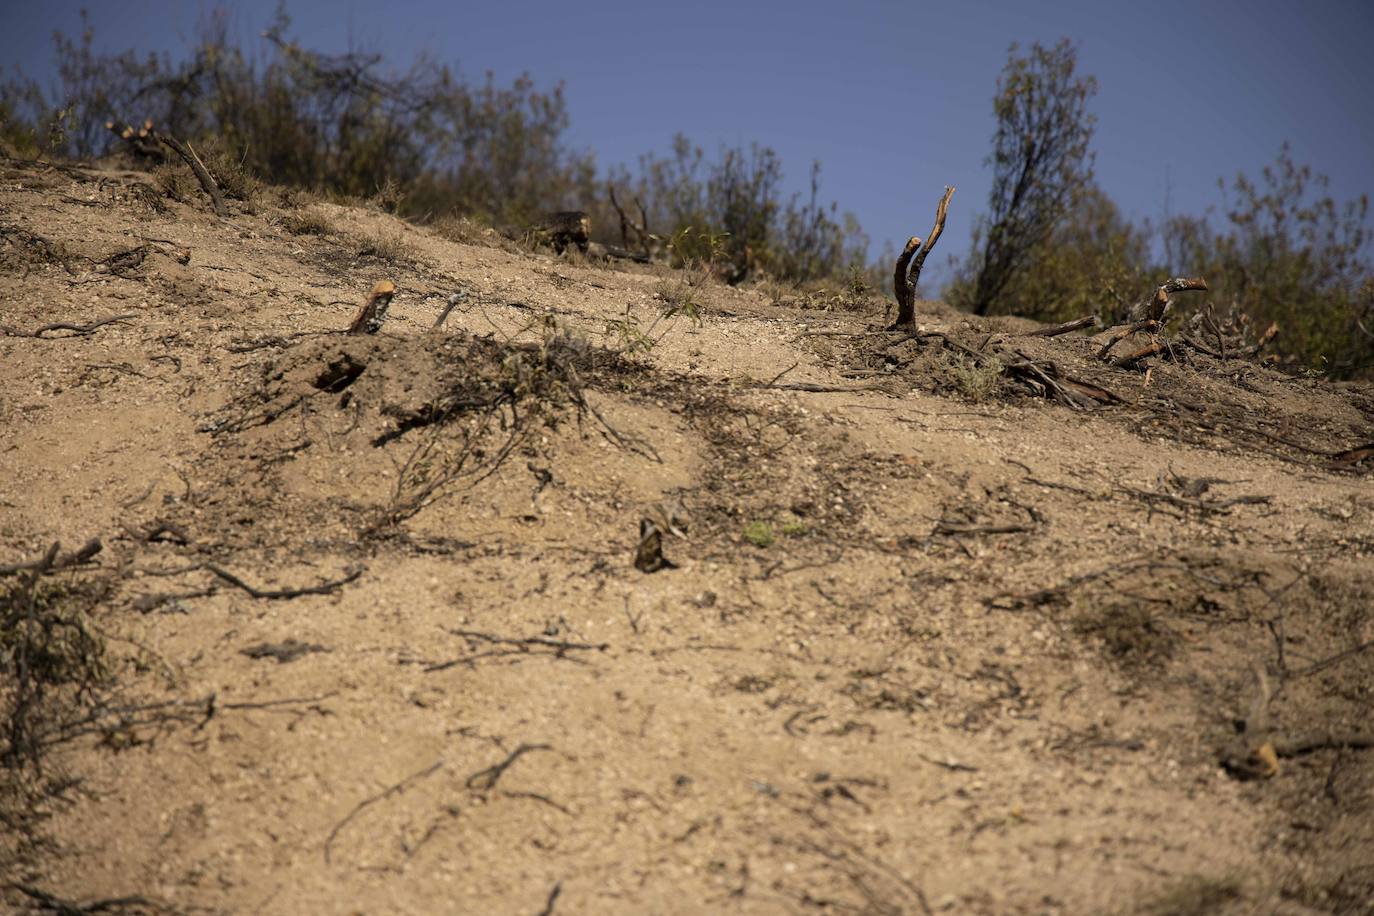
x: 917, y: 652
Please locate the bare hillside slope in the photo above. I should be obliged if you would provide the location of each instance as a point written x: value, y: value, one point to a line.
x: 571, y: 606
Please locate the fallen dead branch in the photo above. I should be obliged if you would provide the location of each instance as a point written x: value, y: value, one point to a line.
x: 959, y: 528
x: 395, y: 789
x: 51, y: 561
x: 817, y: 388
x: 207, y: 182
x: 552, y: 900
x: 1150, y: 349
x: 186, y: 712
x: 908, y: 268
x: 1078, y: 324
x: 1118, y: 334
x: 1335, y: 659
x: 485, y: 780
x: 284, y: 652
x: 528, y: 645
x: 1042, y: 378
x: 1259, y: 759
x: 1209, y: 506
x: 1233, y: 352
x: 1047, y: 380
x: 78, y: 330
x: 449, y: 305
x: 51, y: 903
x: 324, y: 588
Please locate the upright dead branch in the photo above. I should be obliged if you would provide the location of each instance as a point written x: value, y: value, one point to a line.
x: 202, y: 174
x: 908, y: 270
x: 627, y: 225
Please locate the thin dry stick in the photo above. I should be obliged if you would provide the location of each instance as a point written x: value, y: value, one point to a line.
x: 396, y: 789
x: 485, y: 780
x: 78, y: 330
x: 449, y: 306
x: 54, y: 562
x: 324, y: 588
x: 908, y: 271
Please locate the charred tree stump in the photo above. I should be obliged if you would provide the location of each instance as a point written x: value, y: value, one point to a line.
x: 564, y: 228
x: 373, y: 313
x: 909, y: 262
x: 140, y: 141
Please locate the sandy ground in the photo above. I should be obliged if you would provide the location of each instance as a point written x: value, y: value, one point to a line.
x: 915, y: 653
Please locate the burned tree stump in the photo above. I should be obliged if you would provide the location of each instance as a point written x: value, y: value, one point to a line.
x: 909, y: 262
x: 373, y: 313
x: 564, y: 228
x: 140, y: 141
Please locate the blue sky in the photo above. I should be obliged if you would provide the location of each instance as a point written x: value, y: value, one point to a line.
x: 892, y: 97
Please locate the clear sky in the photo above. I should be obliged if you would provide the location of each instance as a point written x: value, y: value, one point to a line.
x: 892, y: 97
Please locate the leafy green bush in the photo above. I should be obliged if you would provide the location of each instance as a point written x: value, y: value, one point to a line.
x: 1290, y: 253
x: 420, y: 143
x: 1040, y: 163
x: 735, y: 205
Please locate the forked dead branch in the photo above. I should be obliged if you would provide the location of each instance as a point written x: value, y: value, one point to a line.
x: 909, y: 263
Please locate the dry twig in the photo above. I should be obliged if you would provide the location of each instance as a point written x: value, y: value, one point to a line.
x: 78, y: 330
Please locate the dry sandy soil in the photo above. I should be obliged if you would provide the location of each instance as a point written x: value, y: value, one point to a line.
x: 368, y: 634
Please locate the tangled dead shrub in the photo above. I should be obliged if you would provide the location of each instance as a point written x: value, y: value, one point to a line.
x: 54, y: 671
x: 484, y: 414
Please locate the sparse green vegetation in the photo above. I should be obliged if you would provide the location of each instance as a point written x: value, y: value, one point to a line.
x: 383, y: 244
x: 1040, y: 163
x: 1053, y: 246
x: 759, y: 533
x: 423, y: 143
x: 976, y: 381
x: 307, y: 222
x: 418, y: 143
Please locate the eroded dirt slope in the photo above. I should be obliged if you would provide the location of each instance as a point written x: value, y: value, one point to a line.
x: 377, y: 641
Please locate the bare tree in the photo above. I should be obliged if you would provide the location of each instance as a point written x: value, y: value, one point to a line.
x: 1040, y: 161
